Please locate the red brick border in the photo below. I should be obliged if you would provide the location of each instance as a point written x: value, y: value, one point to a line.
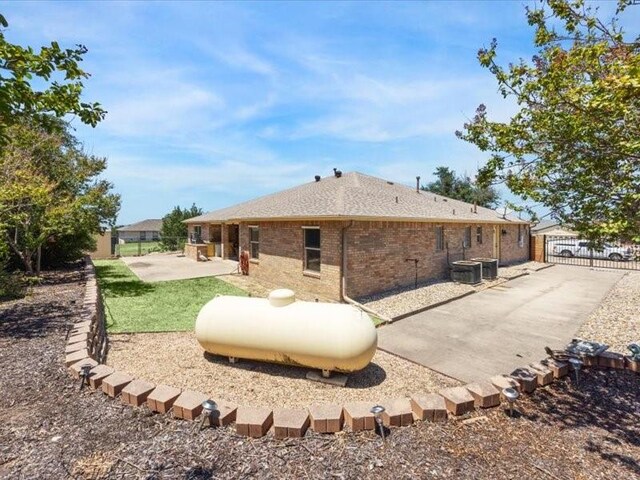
x: 87, y: 344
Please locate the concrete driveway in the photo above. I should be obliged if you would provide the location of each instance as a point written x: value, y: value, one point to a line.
x: 157, y: 267
x: 502, y: 328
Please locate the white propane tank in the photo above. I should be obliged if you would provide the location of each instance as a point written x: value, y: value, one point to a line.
x: 326, y: 336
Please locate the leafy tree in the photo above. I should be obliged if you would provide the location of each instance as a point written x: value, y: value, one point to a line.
x: 56, y: 71
x: 174, y: 231
x: 574, y: 145
x: 462, y: 188
x: 50, y: 190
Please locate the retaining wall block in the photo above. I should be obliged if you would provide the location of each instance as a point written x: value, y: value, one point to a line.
x: 162, y: 397
x: 633, y: 365
x: 544, y: 373
x: 74, y: 369
x: 559, y: 369
x: 526, y: 377
x: 225, y: 414
x: 429, y: 407
x: 136, y: 392
x: 458, y: 400
x: 114, y: 383
x: 484, y: 394
x: 253, y: 421
x: 358, y: 416
x: 501, y: 382
x: 74, y: 347
x: 397, y: 413
x: 290, y: 423
x: 98, y: 374
x: 80, y: 338
x: 189, y: 404
x: 75, y: 357
x: 611, y: 360
x: 589, y: 360
x: 326, y: 418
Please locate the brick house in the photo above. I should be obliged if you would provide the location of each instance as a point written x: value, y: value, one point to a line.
x: 144, y: 231
x: 353, y: 235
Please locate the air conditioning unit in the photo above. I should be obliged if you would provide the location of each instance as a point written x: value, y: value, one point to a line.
x: 466, y: 271
x: 489, y: 267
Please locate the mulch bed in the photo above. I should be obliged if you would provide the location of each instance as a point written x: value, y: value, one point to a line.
x: 48, y: 429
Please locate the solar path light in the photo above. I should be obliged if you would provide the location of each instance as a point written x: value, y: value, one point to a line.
x: 208, y: 407
x: 512, y: 395
x: 84, y: 374
x: 377, y: 411
x: 576, y: 363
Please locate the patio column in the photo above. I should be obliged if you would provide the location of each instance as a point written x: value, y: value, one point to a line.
x: 224, y: 239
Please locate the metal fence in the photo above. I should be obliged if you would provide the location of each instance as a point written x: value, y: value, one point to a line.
x: 576, y: 251
x: 144, y: 247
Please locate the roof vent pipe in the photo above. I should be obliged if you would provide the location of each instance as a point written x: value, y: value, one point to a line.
x: 317, y: 177
x: 337, y: 173
x: 454, y: 211
x: 418, y: 184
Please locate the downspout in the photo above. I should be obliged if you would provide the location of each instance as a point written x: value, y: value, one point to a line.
x: 343, y: 279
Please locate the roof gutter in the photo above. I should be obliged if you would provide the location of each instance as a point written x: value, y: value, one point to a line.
x: 343, y: 279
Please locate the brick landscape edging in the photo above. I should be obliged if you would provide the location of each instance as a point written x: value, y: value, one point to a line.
x: 87, y: 344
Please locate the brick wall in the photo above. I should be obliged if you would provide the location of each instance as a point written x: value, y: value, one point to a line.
x: 510, y: 250
x: 282, y: 253
x: 376, y: 254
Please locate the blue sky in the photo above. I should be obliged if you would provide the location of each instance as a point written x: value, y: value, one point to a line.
x: 215, y: 103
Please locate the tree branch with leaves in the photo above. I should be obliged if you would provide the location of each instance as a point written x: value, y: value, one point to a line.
x: 574, y: 145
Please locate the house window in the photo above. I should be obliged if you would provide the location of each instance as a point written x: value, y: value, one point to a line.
x: 479, y: 235
x: 439, y: 238
x: 155, y: 235
x: 197, y: 234
x: 520, y: 236
x: 312, y: 249
x: 254, y: 242
x: 466, y: 241
x: 143, y: 236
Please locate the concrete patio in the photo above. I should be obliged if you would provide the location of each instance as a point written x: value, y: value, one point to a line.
x: 157, y: 267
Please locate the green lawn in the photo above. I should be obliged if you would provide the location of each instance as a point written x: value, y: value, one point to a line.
x: 132, y: 249
x: 132, y: 305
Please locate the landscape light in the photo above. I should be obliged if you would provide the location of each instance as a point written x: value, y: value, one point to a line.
x: 576, y: 363
x: 85, y: 372
x: 377, y: 411
x: 208, y: 407
x: 512, y: 395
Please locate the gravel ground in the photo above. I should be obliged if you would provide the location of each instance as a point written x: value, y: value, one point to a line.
x: 616, y: 321
x: 177, y: 359
x: 49, y: 430
x: 408, y: 299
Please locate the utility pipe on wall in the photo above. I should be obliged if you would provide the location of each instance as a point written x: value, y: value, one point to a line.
x: 343, y: 279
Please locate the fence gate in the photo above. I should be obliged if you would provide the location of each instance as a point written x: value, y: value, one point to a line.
x: 569, y: 250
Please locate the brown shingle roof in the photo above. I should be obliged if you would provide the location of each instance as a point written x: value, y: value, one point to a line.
x: 352, y: 196
x: 149, y: 225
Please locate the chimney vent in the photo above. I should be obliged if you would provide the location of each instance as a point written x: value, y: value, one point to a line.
x: 317, y: 177
x: 337, y: 173
x: 418, y: 184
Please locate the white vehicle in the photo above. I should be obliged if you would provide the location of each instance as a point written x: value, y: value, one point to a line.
x: 574, y: 247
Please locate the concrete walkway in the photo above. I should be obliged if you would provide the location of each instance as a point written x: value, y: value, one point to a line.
x: 502, y: 328
x: 158, y: 267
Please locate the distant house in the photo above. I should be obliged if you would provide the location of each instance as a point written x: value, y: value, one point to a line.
x: 552, y: 228
x: 354, y: 235
x: 144, y: 231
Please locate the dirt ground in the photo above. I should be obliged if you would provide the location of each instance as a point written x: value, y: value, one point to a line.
x: 50, y: 430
